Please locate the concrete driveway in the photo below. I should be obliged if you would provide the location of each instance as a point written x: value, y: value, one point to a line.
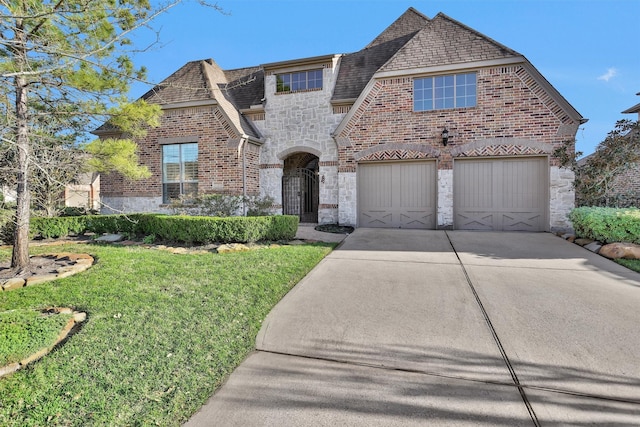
x: 407, y: 327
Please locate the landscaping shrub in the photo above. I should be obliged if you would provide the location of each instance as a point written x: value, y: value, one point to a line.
x: 172, y: 228
x: 7, y: 225
x: 101, y: 224
x: 77, y: 211
x: 58, y: 226
x: 201, y: 229
x: 222, y: 205
x: 259, y: 206
x: 218, y: 205
x: 607, y: 225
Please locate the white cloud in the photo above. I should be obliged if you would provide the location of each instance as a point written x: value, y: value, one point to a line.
x: 611, y: 73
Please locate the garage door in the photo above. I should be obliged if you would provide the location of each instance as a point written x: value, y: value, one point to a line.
x: 501, y: 194
x: 397, y: 195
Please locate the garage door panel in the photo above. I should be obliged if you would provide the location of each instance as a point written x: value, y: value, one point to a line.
x: 413, y: 191
x: 475, y: 221
x: 416, y: 219
x: 522, y: 222
x: 516, y: 184
x: 477, y: 177
x: 378, y: 177
x: 376, y: 218
x: 397, y: 195
x: 500, y: 194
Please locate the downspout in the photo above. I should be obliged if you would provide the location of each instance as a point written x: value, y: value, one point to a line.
x: 242, y: 147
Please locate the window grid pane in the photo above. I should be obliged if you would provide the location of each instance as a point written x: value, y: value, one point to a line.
x: 304, y: 80
x: 443, y: 92
x: 179, y: 171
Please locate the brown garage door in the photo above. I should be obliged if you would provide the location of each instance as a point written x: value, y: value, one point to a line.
x: 501, y: 194
x: 397, y: 195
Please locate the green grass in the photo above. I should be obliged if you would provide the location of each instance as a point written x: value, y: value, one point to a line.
x: 163, y: 332
x: 632, y: 264
x: 24, y: 332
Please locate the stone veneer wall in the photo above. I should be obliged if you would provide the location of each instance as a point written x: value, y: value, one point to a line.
x: 561, y: 197
x: 445, y: 198
x: 300, y: 122
x: 348, y: 206
x: 512, y: 110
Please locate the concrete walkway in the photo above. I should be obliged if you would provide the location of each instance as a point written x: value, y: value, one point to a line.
x: 435, y: 328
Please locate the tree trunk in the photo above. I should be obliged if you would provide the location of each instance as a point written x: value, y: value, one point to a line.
x: 20, y: 256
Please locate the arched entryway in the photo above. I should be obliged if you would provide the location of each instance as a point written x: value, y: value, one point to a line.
x: 300, y: 187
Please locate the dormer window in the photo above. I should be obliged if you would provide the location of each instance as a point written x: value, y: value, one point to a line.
x: 299, y: 81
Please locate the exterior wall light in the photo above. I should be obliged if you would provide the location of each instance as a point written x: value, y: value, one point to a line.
x: 445, y: 137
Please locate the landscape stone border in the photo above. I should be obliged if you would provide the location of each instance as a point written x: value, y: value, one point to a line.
x: 81, y: 263
x: 618, y: 250
x: 78, y: 317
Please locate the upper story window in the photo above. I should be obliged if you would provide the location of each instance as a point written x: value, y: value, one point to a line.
x: 442, y: 92
x: 299, y: 81
x: 179, y: 171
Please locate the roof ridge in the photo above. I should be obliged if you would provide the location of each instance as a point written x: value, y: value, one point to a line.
x: 409, y: 14
x: 441, y: 15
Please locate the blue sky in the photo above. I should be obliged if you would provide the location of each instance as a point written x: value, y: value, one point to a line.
x: 587, y: 49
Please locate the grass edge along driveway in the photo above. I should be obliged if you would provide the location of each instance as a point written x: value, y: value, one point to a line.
x: 163, y: 332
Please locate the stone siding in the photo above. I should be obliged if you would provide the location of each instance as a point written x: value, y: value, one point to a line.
x: 301, y: 122
x: 561, y: 197
x: 445, y: 199
x: 347, y: 202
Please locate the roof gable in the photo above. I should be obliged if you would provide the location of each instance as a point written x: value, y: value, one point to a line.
x: 409, y: 22
x: 189, y: 83
x: 445, y: 41
x: 356, y: 69
x: 204, y: 80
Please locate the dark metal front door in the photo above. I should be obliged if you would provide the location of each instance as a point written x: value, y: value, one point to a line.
x: 300, y: 194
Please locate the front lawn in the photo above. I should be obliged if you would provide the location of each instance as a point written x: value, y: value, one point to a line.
x: 633, y: 264
x: 163, y: 331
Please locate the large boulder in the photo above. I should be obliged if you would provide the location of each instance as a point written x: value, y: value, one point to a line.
x: 621, y: 250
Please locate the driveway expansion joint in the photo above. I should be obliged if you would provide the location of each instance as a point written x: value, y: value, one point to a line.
x: 496, y: 338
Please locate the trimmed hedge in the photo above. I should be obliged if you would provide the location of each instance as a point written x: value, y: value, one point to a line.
x: 48, y: 228
x: 607, y: 225
x: 204, y: 229
x: 183, y: 229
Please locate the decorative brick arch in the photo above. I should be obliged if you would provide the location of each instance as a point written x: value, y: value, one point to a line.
x: 397, y: 152
x: 501, y: 147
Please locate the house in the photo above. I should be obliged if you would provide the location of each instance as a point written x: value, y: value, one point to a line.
x: 431, y: 125
x: 84, y: 192
x: 624, y: 188
x: 634, y: 110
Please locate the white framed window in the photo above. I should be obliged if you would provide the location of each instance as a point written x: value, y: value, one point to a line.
x: 179, y: 171
x: 299, y: 81
x: 443, y: 92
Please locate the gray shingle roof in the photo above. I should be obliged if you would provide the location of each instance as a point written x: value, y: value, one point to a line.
x: 411, y: 41
x: 204, y: 80
x: 356, y: 69
x: 245, y: 87
x: 408, y: 23
x: 634, y: 109
x: 189, y: 83
x: 445, y: 41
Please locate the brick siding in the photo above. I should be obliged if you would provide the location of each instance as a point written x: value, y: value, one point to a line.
x: 219, y: 161
x: 508, y: 108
